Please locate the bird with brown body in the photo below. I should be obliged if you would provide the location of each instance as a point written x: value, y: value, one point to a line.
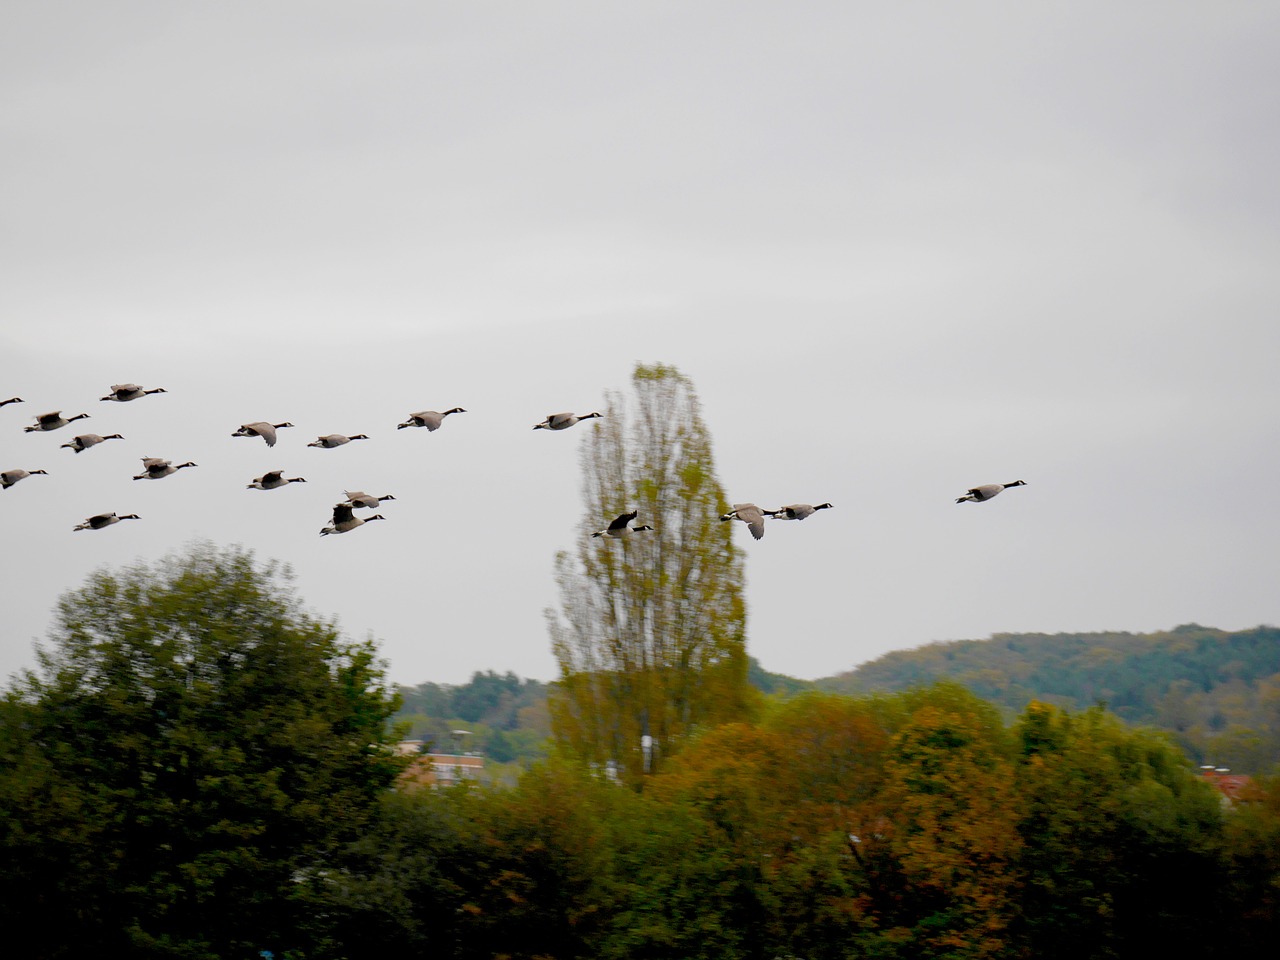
x: 52, y: 421
x: 358, y: 498
x: 86, y: 440
x: 273, y: 479
x: 9, y: 477
x: 335, y: 440
x: 344, y: 520
x: 260, y: 428
x: 430, y: 419
x: 797, y: 511
x: 749, y: 514
x: 563, y: 421
x: 100, y: 520
x: 985, y: 492
x: 124, y: 392
x: 620, y: 528
x: 155, y: 468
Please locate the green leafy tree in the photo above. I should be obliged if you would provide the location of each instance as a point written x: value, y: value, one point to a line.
x: 650, y: 638
x: 1120, y: 839
x: 190, y: 752
x: 951, y: 828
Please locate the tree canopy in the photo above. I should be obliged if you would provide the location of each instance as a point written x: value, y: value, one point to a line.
x: 189, y: 753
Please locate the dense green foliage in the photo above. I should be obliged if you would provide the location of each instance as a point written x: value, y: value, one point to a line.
x: 1218, y: 692
x: 198, y: 769
x: 192, y: 749
x: 899, y: 826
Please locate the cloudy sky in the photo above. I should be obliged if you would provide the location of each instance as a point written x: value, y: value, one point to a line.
x: 900, y: 249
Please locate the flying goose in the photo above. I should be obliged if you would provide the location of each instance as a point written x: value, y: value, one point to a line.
x: 428, y: 418
x: 52, y: 421
x: 797, y: 511
x: 272, y: 479
x: 154, y: 468
x: 9, y: 477
x: 619, y: 528
x: 267, y: 431
x: 104, y: 520
x: 358, y: 498
x: 562, y: 421
x: 336, y: 440
x: 344, y: 520
x: 130, y: 391
x: 988, y: 490
x: 11, y: 400
x: 749, y: 514
x: 86, y: 440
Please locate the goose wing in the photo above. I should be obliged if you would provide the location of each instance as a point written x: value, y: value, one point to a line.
x: 623, y: 519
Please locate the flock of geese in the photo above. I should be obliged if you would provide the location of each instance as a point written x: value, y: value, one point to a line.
x: 344, y: 518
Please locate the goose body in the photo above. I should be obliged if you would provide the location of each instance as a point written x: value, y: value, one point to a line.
x: 273, y: 479
x: 562, y: 421
x: 749, y: 514
x: 344, y: 520
x: 86, y: 440
x: 154, y: 468
x: 101, y: 520
x: 124, y: 392
x: 797, y: 511
x: 620, y: 527
x: 358, y: 498
x: 267, y: 431
x: 52, y: 421
x: 336, y: 440
x: 9, y: 477
x: 430, y: 419
x: 988, y: 490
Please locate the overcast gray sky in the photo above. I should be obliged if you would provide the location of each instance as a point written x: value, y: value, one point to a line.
x: 901, y: 249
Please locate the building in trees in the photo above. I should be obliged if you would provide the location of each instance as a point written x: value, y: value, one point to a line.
x: 650, y: 635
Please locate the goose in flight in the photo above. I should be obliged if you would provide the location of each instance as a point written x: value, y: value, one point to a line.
x: 563, y: 421
x: 267, y: 431
x: 156, y: 468
x: 358, y: 498
x: 428, y: 418
x: 620, y: 527
x: 124, y: 392
x: 749, y: 514
x: 335, y: 440
x: 273, y: 479
x: 98, y: 521
x: 9, y: 477
x: 797, y: 511
x: 345, y: 521
x: 988, y: 490
x: 86, y: 440
x: 52, y: 421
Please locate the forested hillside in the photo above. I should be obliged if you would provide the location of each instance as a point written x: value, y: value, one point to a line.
x: 1218, y: 692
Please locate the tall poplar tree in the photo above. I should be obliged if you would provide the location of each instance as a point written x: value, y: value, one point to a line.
x: 650, y: 635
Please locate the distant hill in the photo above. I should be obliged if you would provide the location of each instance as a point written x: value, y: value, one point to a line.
x: 1217, y: 692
